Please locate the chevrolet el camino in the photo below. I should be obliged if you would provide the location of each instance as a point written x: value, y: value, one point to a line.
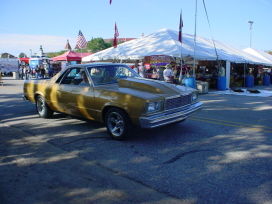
x: 113, y: 94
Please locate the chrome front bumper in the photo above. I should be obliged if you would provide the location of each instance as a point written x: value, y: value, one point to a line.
x: 25, y: 98
x: 171, y: 116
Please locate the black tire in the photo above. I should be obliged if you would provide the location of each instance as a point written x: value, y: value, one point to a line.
x: 118, y: 124
x: 42, y: 108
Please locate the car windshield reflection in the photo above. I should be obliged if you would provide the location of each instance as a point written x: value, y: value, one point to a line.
x: 102, y: 75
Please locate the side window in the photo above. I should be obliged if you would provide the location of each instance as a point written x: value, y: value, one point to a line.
x: 84, y: 81
x: 71, y: 75
x: 97, y: 74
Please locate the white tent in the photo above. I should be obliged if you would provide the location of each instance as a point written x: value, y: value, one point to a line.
x: 259, y: 54
x: 244, y: 57
x: 165, y: 42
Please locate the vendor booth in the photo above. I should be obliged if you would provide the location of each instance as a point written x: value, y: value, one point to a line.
x: 69, y: 58
x: 155, y: 65
x: 165, y: 43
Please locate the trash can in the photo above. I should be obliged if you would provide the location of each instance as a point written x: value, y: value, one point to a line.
x: 221, y: 83
x: 266, y: 80
x: 190, y: 82
x: 249, y: 81
x: 15, y: 75
x: 202, y: 87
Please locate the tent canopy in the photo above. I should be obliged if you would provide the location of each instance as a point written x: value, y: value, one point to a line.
x: 165, y: 42
x: 259, y: 54
x: 71, y: 56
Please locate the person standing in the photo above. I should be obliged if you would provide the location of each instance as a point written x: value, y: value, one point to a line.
x: 37, y: 71
x: 136, y: 67
x: 25, y: 73
x: 142, y: 70
x: 1, y: 82
x: 42, y: 72
x: 168, y: 74
x: 21, y: 72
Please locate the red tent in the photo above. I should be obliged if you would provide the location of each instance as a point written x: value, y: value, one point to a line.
x: 83, y: 54
x: 71, y: 56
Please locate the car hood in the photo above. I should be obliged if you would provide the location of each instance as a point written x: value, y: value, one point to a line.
x: 147, y: 88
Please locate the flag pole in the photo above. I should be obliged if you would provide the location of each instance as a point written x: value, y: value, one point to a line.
x: 81, y: 42
x: 81, y: 55
x: 180, y: 39
x: 195, y: 40
x: 115, y: 39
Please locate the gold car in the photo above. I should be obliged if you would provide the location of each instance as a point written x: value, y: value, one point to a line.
x: 113, y: 94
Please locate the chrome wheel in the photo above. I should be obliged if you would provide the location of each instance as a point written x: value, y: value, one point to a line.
x: 116, y: 124
x: 43, y: 109
x: 40, y: 106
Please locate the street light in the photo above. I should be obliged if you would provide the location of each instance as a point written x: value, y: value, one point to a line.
x: 250, y: 28
x: 30, y: 52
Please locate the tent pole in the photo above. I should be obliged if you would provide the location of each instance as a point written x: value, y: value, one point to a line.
x: 195, y: 40
x: 244, y: 74
x: 81, y: 54
x: 180, y: 73
x: 228, y: 67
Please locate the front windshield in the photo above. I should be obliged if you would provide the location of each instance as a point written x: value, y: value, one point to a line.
x: 108, y: 74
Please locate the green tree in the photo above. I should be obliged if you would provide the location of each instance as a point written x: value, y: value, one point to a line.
x: 97, y: 44
x: 54, y: 54
x: 6, y: 55
x: 84, y: 50
x: 22, y: 55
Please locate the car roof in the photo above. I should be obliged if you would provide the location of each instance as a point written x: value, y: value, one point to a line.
x: 95, y: 64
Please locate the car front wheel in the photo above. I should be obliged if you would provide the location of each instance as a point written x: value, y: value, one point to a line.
x: 43, y: 109
x: 118, y: 124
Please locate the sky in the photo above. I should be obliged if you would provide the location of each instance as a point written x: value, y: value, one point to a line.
x: 25, y: 25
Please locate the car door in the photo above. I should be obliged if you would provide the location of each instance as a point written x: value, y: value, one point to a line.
x: 76, y: 98
x: 58, y: 92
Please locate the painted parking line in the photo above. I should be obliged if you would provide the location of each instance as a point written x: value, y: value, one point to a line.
x: 232, y: 124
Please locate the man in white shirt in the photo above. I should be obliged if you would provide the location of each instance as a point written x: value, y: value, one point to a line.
x: 168, y: 74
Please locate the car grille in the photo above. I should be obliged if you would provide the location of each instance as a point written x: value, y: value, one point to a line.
x: 177, y: 102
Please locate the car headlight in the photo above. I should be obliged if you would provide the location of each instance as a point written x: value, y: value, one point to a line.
x: 194, y: 96
x: 153, y: 106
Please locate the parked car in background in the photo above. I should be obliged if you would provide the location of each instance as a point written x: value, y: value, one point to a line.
x: 113, y: 94
x: 24, y: 61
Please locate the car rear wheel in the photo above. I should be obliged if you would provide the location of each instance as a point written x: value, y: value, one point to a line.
x: 118, y: 124
x: 43, y: 109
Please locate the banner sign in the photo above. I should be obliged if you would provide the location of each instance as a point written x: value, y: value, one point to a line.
x: 158, y: 60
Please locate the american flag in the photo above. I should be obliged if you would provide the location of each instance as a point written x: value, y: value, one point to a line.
x: 180, y: 28
x: 81, y: 41
x: 116, y: 34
